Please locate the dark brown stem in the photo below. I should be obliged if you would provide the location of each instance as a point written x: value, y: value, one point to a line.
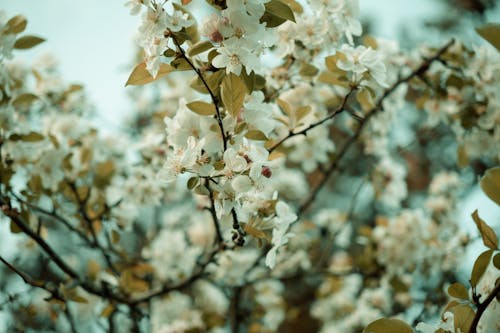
x: 234, y: 310
x: 82, y: 202
x: 304, y: 131
x: 215, y: 220
x: 32, y: 282
x: 212, y: 95
x: 481, y: 307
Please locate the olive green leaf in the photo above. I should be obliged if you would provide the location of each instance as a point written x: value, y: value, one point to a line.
x: 480, y: 266
x: 459, y: 291
x: 487, y: 233
x: 140, y: 74
x: 202, y: 108
x: 16, y: 25
x: 199, y: 47
x: 276, y: 13
x: 490, y: 183
x: 233, y: 91
x: 386, y: 325
x: 27, y: 42
x: 491, y: 33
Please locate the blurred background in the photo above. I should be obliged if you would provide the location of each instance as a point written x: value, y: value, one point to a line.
x: 93, y: 41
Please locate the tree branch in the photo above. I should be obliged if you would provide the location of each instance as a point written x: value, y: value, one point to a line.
x: 212, y: 95
x: 482, y: 307
x: 304, y: 131
x: 378, y: 107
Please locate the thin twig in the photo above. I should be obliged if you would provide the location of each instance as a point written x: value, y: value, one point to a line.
x: 212, y: 95
x: 379, y: 106
x: 304, y: 131
x: 482, y: 307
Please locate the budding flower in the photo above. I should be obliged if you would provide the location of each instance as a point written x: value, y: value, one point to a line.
x: 266, y: 171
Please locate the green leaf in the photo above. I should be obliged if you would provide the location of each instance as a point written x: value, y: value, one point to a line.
x: 365, y: 99
x: 276, y: 14
x: 487, y: 233
x: 27, y: 42
x: 302, y: 111
x: 30, y: 137
x: 202, y: 108
x: 255, y: 135
x: 233, y: 91
x: 480, y: 266
x: 496, y: 260
x: 16, y: 25
x: 463, y: 315
x: 336, y: 78
x: 331, y: 61
x: 308, y: 70
x: 294, y: 5
x: 490, y: 183
x: 140, y: 74
x: 200, y: 47
x: 24, y: 101
x: 192, y: 182
x: 386, y: 325
x: 181, y: 64
x: 202, y: 190
x: 459, y: 291
x: 491, y: 33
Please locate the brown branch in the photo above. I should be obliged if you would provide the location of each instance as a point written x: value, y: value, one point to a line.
x: 304, y: 131
x: 378, y: 107
x: 54, y: 216
x: 481, y: 307
x: 55, y: 294
x: 166, y: 289
x: 211, y: 93
x: 215, y: 220
x: 234, y: 309
x: 14, y: 217
x: 82, y: 202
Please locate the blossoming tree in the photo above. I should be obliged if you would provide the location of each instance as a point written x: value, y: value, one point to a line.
x: 282, y: 173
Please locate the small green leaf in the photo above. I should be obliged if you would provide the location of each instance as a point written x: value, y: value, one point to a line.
x: 24, y: 101
x: 276, y: 14
x: 490, y: 183
x: 285, y: 107
x: 491, y: 33
x: 202, y: 190
x: 480, y: 266
x: 386, y: 325
x: 192, y: 182
x: 16, y: 25
x: 365, y: 99
x: 459, y: 291
x: 233, y: 93
x: 308, y: 70
x: 181, y: 64
x: 255, y: 135
x: 336, y: 78
x: 294, y: 5
x: 202, y: 108
x: 487, y: 233
x: 30, y: 137
x: 200, y: 47
x: 140, y: 74
x: 27, y: 42
x: 302, y: 111
x: 331, y: 61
